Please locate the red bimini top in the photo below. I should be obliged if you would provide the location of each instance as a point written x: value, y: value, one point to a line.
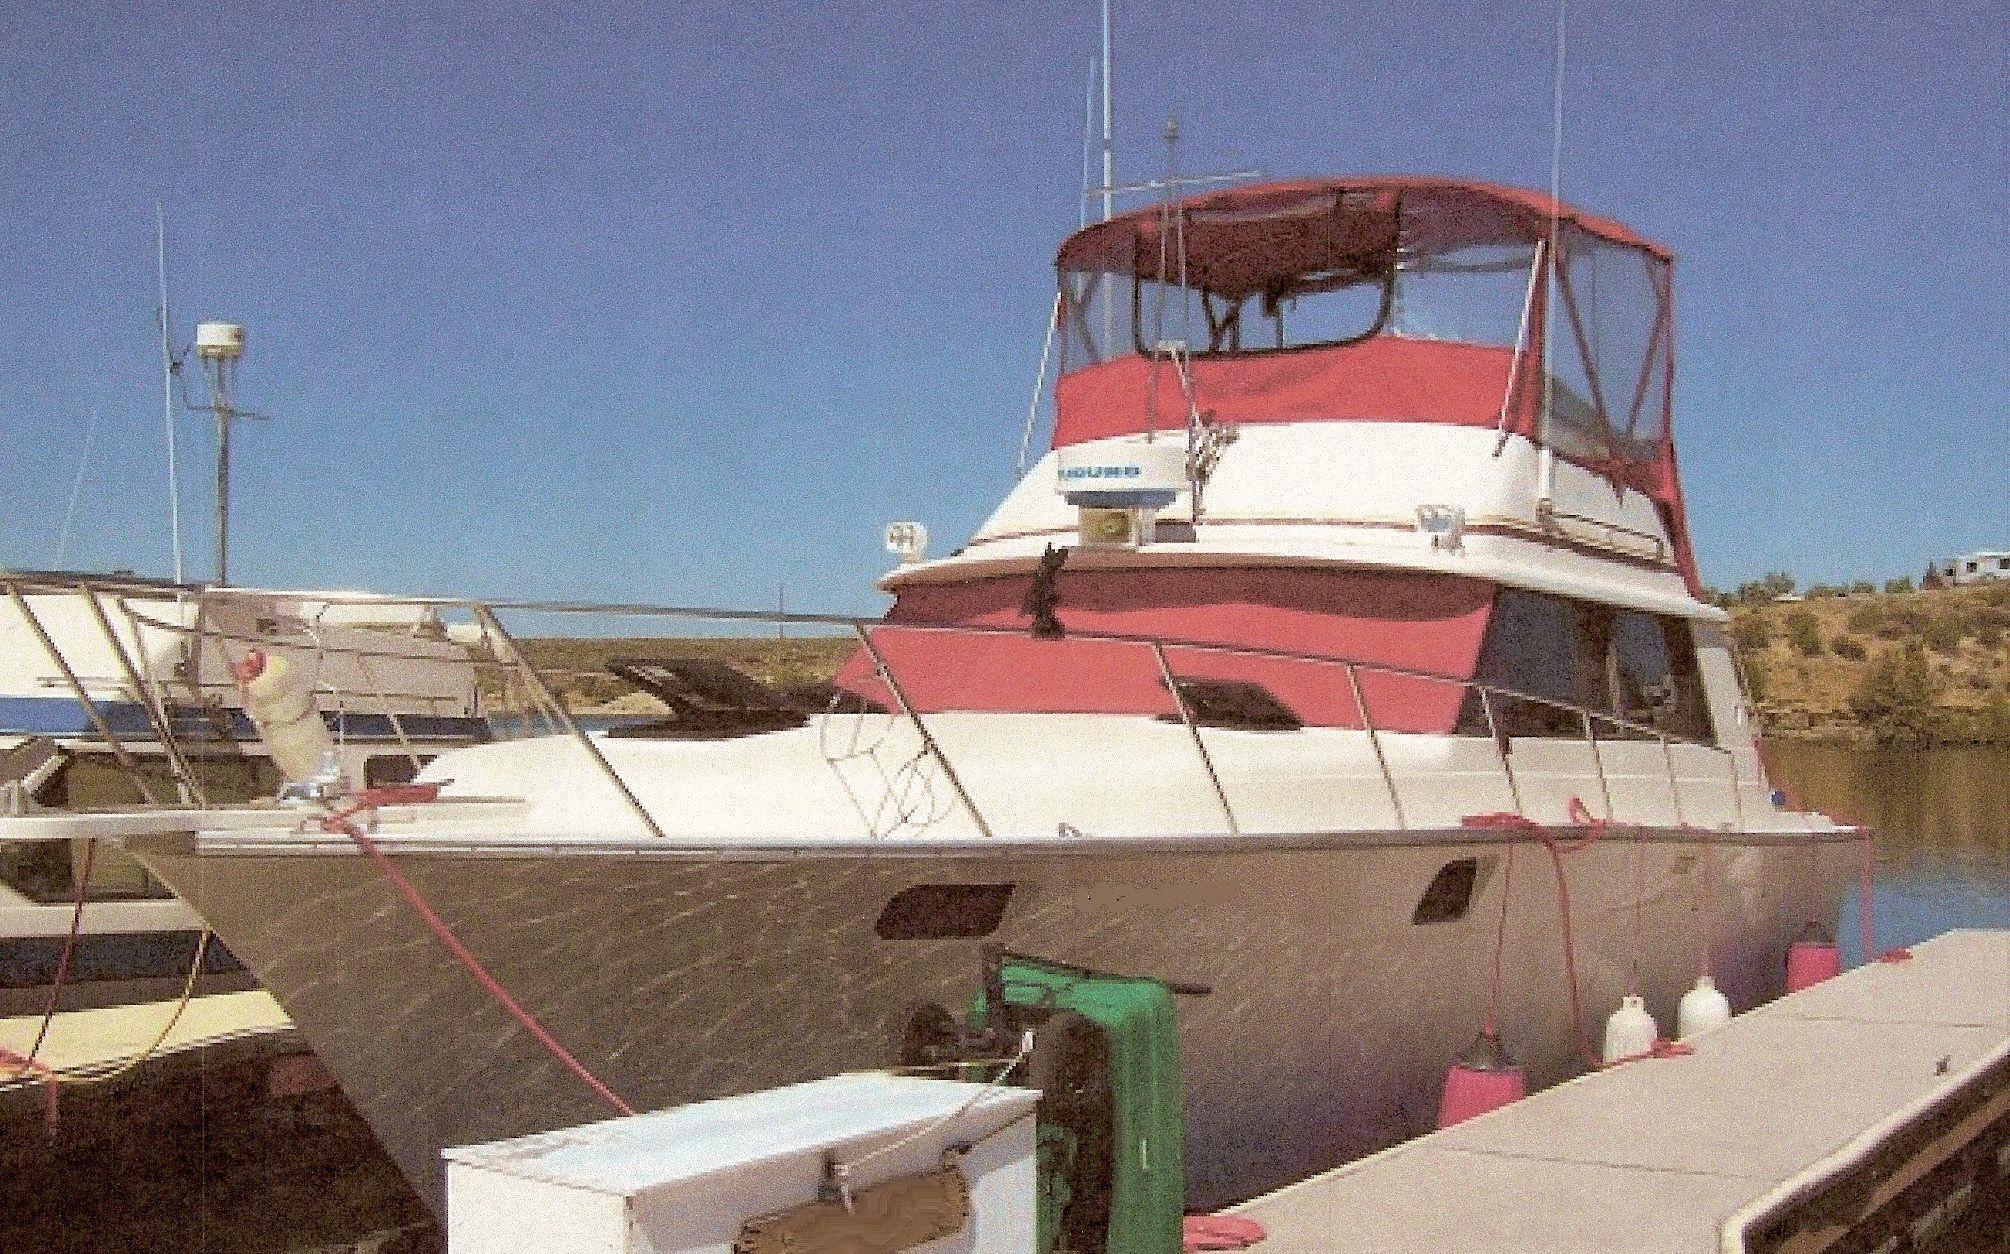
x: 1392, y: 299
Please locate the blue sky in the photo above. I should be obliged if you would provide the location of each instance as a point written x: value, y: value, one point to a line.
x: 659, y: 302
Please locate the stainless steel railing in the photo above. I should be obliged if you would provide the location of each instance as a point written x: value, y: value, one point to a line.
x: 492, y: 649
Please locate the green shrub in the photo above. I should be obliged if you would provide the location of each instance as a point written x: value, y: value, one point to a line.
x: 1901, y: 584
x: 1895, y: 698
x: 1943, y: 636
x: 1866, y: 616
x: 1848, y: 646
x: 1804, y: 633
x: 1752, y: 632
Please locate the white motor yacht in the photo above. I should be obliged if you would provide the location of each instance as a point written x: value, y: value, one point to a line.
x: 1356, y: 573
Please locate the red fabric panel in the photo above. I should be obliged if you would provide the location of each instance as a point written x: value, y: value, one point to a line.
x: 1386, y: 377
x: 1136, y: 233
x: 1421, y: 622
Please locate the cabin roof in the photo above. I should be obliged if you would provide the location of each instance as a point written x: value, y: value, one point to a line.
x: 1237, y: 238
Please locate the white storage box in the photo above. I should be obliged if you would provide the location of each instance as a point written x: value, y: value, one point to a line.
x: 685, y: 1180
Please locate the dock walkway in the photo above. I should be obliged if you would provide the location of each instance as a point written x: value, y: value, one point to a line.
x: 1693, y: 1153
x: 94, y: 1042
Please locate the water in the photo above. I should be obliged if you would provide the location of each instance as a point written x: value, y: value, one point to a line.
x: 1942, y: 818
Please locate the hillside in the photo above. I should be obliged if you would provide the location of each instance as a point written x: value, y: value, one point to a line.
x: 1931, y: 666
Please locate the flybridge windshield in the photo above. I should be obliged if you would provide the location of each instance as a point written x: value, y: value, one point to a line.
x: 1321, y: 268
x: 1259, y: 271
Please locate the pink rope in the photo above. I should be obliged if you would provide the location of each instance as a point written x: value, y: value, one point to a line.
x: 369, y: 799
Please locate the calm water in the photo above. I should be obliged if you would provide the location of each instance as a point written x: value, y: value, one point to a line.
x: 1943, y: 823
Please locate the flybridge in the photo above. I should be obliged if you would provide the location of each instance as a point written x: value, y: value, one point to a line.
x: 1414, y: 300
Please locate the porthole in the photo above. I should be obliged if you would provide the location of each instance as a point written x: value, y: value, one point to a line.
x: 1450, y: 893
x: 943, y: 912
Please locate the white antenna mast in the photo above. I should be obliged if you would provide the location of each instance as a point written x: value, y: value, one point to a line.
x: 167, y: 388
x: 1546, y: 465
x: 1054, y: 310
x: 1109, y: 158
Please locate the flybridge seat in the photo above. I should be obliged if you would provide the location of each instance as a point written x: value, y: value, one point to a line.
x: 1417, y: 300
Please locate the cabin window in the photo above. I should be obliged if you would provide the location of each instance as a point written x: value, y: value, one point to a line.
x: 1236, y: 705
x: 392, y: 768
x: 1471, y: 295
x: 1568, y: 655
x: 46, y: 873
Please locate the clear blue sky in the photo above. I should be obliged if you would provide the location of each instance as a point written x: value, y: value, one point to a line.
x: 677, y: 302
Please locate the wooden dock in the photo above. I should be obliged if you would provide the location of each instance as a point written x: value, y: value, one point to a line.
x: 1876, y: 1104
x: 95, y: 1043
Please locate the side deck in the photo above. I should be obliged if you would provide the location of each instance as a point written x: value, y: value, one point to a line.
x: 1875, y: 1105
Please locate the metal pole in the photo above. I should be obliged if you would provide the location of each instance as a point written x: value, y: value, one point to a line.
x: 1597, y: 759
x: 1500, y: 748
x: 1109, y: 159
x: 1674, y: 785
x: 184, y: 778
x: 1200, y: 747
x: 55, y: 655
x: 535, y: 683
x: 920, y: 728
x: 222, y: 406
x: 1375, y: 742
x: 167, y: 390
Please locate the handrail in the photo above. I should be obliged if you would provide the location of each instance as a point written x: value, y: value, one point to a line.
x: 501, y: 640
x: 1199, y: 745
x: 55, y: 655
x: 846, y: 621
x: 921, y: 729
x: 510, y: 659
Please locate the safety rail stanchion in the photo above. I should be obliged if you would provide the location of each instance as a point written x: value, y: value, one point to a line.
x: 1500, y: 747
x: 91, y: 711
x: 1193, y: 730
x: 502, y: 642
x: 191, y: 790
x: 1674, y: 786
x: 1737, y: 788
x: 184, y: 778
x: 1597, y: 760
x: 920, y: 728
x: 1375, y: 742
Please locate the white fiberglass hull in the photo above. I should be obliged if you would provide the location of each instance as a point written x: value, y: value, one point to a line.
x: 679, y: 975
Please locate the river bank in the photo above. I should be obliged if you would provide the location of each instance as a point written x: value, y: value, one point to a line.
x: 1919, y: 668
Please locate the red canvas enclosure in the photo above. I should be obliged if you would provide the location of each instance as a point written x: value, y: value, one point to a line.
x: 1380, y: 299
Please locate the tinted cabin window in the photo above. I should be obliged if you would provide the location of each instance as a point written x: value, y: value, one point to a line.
x: 1547, y: 647
x: 1632, y: 666
x: 1654, y: 675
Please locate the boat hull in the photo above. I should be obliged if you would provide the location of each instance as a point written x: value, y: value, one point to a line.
x: 682, y: 976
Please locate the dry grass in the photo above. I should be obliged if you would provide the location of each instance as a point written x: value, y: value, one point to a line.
x: 1808, y: 660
